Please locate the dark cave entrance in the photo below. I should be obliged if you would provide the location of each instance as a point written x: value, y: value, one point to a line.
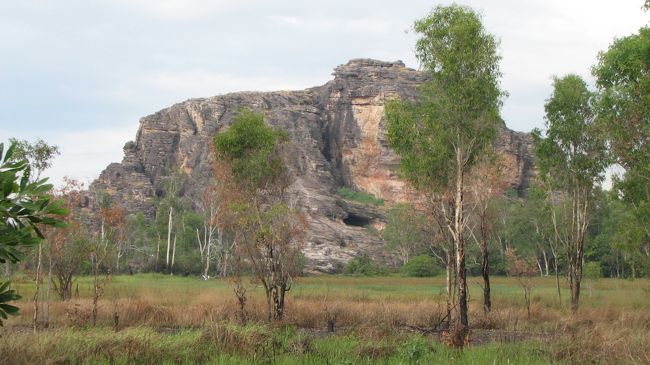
x: 355, y: 220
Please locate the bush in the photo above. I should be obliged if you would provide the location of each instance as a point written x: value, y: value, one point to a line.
x: 363, y: 265
x: 358, y: 196
x: 415, y: 349
x: 420, y: 266
x: 592, y: 270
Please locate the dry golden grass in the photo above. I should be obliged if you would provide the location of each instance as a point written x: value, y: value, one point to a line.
x: 612, y: 326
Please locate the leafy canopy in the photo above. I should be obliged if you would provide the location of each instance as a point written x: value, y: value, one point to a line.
x: 38, y: 154
x: 405, y: 228
x: 252, y: 150
x: 456, y: 113
x: 623, y: 77
x: 573, y: 153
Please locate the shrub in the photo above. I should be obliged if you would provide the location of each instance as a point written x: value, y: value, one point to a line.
x: 592, y: 270
x: 420, y: 266
x: 415, y: 349
x: 363, y: 265
x: 358, y: 196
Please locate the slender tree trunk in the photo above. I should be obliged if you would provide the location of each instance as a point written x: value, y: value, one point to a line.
x: 171, y: 267
x: 485, y: 271
x: 157, y: 254
x: 450, y: 293
x: 460, y: 245
x: 580, y: 206
x: 557, y: 277
x: 95, y: 292
x: 539, y: 267
x: 38, y: 283
x: 545, y: 261
x: 169, y: 235
x: 49, y: 288
x: 207, y: 261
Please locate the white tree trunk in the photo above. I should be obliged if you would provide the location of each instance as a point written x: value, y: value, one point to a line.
x: 169, y: 235
x: 171, y: 268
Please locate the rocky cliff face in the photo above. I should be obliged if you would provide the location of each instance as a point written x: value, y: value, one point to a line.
x: 337, y: 139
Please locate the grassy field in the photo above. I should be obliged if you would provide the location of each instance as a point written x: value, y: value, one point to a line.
x: 174, y: 320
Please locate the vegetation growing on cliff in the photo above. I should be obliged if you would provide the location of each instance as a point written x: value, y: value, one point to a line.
x: 359, y: 196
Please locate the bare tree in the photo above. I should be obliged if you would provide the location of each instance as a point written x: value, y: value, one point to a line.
x: 404, y: 232
x: 524, y: 270
x: 213, y: 243
x: 111, y: 220
x: 486, y: 183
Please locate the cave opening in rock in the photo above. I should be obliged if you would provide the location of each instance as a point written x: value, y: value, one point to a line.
x: 355, y: 220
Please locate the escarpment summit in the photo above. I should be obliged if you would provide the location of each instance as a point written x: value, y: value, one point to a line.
x: 338, y: 138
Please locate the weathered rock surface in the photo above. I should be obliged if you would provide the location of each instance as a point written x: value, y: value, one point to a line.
x: 337, y: 139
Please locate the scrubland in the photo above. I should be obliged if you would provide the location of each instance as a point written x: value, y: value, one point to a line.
x: 391, y: 320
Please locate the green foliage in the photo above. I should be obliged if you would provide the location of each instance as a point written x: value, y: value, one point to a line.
x: 405, y: 231
x: 573, y: 153
x: 23, y: 206
x: 592, y: 271
x: 252, y: 150
x: 420, y: 266
x: 456, y: 113
x: 526, y: 221
x: 7, y: 295
x: 415, y: 349
x: 38, y: 154
x: 359, y: 196
x: 572, y: 159
x: 365, y: 266
x: 623, y: 78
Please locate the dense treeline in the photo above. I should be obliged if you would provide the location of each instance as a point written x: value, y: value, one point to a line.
x: 524, y: 224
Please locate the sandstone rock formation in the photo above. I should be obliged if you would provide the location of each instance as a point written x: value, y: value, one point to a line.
x: 337, y: 139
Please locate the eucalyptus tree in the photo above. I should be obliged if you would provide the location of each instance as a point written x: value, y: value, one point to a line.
x: 623, y: 79
x: 268, y: 226
x: 572, y: 158
x: 440, y: 135
x: 38, y: 154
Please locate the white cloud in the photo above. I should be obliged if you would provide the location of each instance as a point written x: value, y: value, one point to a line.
x: 85, y: 153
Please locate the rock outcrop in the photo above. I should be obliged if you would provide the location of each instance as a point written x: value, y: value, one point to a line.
x: 337, y: 139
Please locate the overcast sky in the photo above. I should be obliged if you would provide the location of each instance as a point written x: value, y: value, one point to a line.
x: 80, y: 74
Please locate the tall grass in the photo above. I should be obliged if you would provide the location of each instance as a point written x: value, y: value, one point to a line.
x: 251, y: 344
x: 374, y: 319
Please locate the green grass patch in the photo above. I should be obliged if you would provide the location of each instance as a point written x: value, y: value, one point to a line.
x: 359, y: 196
x: 250, y: 344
